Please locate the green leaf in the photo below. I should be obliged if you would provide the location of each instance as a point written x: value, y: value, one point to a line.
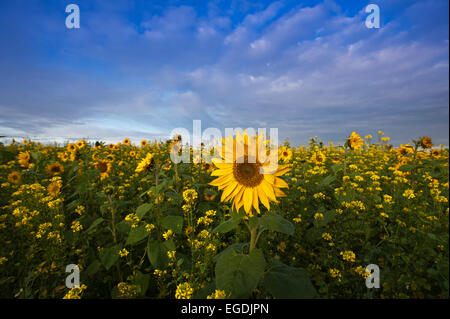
x: 327, y: 180
x: 174, y: 223
x: 136, y: 235
x: 36, y: 156
x: 336, y: 167
x: 124, y: 227
x: 142, y: 281
x: 157, y: 253
x: 109, y: 256
x: 142, y: 210
x: 94, y: 224
x: 285, y: 282
x: 93, y: 267
x: 239, y: 274
x: 277, y: 223
x: 227, y: 225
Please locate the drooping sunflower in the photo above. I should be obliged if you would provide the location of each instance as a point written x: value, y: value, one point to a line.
x: 14, y: 177
x: 54, y: 169
x: 104, y: 167
x: 426, y: 142
x: 354, y: 141
x: 285, y: 154
x: 145, y: 163
x: 248, y: 178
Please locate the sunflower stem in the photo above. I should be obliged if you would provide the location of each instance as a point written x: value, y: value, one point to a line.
x: 253, y: 238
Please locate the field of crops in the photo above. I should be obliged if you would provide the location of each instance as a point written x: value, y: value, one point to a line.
x: 140, y: 226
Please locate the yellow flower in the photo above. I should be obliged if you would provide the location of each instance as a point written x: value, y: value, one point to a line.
x: 14, y: 177
x: 123, y: 253
x: 145, y: 163
x: 75, y: 292
x: 335, y: 273
x: 54, y: 169
x: 318, y: 216
x: 189, y: 196
x: 71, y: 147
x: 246, y: 179
x: 409, y: 194
x: 168, y: 234
x: 104, y: 167
x: 354, y: 141
x: 23, y: 159
x: 184, y: 291
x: 144, y: 143
x: 80, y: 144
x: 318, y: 157
x: 348, y: 255
x: 126, y: 141
x: 171, y: 254
x: 327, y: 236
x: 285, y: 154
x: 426, y: 142
x: 218, y: 294
x: 54, y: 188
x: 76, y: 226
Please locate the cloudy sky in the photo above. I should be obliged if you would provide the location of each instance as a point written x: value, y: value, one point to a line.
x: 138, y: 69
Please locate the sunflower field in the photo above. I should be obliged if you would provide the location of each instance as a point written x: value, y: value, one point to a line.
x: 140, y: 226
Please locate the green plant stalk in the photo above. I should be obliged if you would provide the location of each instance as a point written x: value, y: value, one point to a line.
x: 253, y: 238
x: 113, y: 226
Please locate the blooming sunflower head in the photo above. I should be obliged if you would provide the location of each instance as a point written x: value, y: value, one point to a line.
x: 318, y: 157
x: 285, y: 154
x: 354, y: 141
x: 144, y: 143
x: 14, y: 177
x: 435, y: 152
x: 404, y: 150
x: 55, y: 169
x: 71, y: 147
x: 54, y: 188
x: 145, y: 163
x: 104, y: 167
x: 248, y: 178
x: 80, y: 144
x: 126, y: 141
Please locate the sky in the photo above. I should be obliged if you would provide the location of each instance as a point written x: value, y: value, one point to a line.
x: 139, y: 69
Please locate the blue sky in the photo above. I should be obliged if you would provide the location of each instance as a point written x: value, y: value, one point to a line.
x: 138, y: 69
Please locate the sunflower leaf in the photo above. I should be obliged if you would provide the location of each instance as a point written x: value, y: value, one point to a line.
x: 227, y: 225
x: 277, y: 223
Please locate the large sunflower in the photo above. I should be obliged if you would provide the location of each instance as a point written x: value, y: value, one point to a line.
x: 104, y: 167
x: 248, y: 179
x: 355, y: 141
x: 145, y: 163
